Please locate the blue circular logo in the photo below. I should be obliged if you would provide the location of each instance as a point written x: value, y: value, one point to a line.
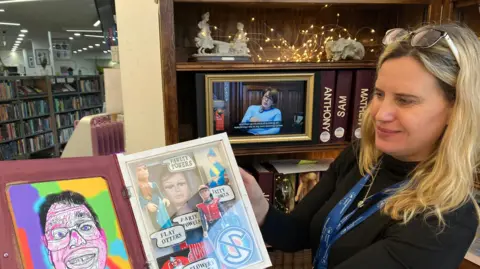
x: 234, y: 246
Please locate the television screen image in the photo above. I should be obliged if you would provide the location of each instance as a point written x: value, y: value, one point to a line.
x: 260, y: 108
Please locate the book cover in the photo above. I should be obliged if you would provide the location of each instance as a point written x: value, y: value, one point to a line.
x: 181, y: 206
x: 265, y: 180
x: 343, y: 96
x: 326, y: 105
x: 364, y: 83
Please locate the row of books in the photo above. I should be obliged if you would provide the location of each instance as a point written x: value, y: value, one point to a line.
x: 12, y: 149
x: 67, y: 119
x: 89, y: 86
x: 9, y: 131
x: 344, y: 98
x: 9, y: 112
x: 39, y: 142
x: 28, y: 90
x: 37, y: 125
x: 76, y: 102
x: 65, y: 134
x: 63, y: 88
x: 7, y: 91
x: 35, y: 108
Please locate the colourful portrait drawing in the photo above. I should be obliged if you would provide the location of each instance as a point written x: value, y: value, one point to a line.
x: 67, y: 224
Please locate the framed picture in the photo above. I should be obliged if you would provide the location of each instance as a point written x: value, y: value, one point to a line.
x: 256, y: 108
x: 41, y: 55
x: 31, y: 62
x: 61, y: 49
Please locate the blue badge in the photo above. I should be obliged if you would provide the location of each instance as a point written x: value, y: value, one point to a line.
x: 234, y: 247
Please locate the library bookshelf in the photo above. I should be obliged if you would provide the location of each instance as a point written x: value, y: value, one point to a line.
x: 37, y: 113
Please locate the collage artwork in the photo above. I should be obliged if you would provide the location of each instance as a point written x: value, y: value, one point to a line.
x: 192, y: 210
x: 67, y: 224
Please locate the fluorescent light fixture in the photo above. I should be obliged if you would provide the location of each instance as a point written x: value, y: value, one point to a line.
x: 71, y: 38
x: 96, y: 24
x: 109, y: 51
x: 86, y: 31
x: 85, y: 49
x: 17, y: 1
x: 24, y: 31
x: 75, y: 52
x: 2, y: 10
x: 77, y: 34
x: 97, y: 45
x: 104, y: 42
x: 80, y: 50
x: 90, y: 47
x: 18, y: 42
x: 9, y: 23
x: 105, y: 51
x: 21, y: 35
x: 20, y: 38
x: 97, y: 36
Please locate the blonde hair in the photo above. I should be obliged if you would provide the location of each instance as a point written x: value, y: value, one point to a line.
x: 445, y: 180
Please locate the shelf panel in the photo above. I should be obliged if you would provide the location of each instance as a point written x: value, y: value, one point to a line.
x: 8, y: 121
x: 196, y: 66
x: 7, y: 100
x: 287, y: 149
x: 47, y: 148
x: 33, y: 97
x: 466, y: 3
x: 37, y: 116
x: 65, y: 94
x: 92, y: 107
x: 65, y: 127
x: 67, y: 111
x: 38, y: 133
x: 423, y: 2
x: 11, y: 140
x: 84, y: 93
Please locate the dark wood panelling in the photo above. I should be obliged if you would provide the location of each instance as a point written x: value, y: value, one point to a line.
x: 312, y: 1
x: 167, y: 49
x: 191, y: 66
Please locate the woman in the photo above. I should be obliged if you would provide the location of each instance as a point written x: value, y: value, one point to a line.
x: 419, y: 139
x: 266, y: 112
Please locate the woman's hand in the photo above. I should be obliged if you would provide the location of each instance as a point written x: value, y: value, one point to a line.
x: 255, y: 194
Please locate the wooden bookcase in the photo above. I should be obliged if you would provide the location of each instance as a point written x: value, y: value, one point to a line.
x: 178, y: 26
x: 42, y: 116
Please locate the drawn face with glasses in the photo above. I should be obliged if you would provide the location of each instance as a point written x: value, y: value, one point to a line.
x: 73, y: 239
x: 425, y: 37
x: 267, y: 101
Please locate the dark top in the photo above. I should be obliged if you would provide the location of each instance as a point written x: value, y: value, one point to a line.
x: 379, y: 242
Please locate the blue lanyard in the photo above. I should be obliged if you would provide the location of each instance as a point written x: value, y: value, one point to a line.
x: 334, y: 228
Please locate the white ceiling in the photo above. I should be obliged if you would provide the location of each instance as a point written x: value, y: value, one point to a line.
x: 56, y: 16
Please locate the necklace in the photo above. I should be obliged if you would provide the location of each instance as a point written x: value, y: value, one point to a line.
x: 361, y: 203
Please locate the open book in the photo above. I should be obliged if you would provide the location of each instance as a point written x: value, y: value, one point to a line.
x: 180, y: 206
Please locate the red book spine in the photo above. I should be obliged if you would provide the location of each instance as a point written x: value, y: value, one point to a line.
x: 265, y: 180
x: 343, y: 96
x: 364, y: 82
x: 326, y: 105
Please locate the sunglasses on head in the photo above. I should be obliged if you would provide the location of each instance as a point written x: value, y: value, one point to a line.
x: 423, y: 38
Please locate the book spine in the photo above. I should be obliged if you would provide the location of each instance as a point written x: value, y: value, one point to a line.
x: 343, y: 96
x: 364, y: 82
x: 326, y: 105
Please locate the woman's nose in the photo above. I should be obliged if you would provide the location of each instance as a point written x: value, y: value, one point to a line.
x: 386, y: 111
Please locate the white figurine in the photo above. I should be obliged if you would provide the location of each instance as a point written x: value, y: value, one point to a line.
x: 240, y: 42
x: 204, y: 38
x: 343, y: 49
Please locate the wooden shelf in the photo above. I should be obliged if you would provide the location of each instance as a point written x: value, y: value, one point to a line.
x: 9, y: 121
x: 37, y: 116
x: 287, y: 149
x: 466, y: 3
x: 65, y: 127
x: 195, y: 66
x: 10, y: 140
x: 33, y: 96
x: 57, y: 94
x: 67, y: 111
x: 38, y: 133
x: 423, y: 2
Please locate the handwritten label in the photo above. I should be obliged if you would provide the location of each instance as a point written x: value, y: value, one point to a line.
x: 224, y: 193
x: 189, y: 221
x: 180, y: 163
x: 169, y: 237
x: 208, y: 263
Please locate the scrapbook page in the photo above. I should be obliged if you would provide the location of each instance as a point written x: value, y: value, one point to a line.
x: 191, y: 207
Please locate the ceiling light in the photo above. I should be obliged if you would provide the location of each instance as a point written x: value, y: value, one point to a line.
x: 71, y: 38
x: 2, y: 10
x: 97, y: 36
x: 21, y: 35
x: 97, y: 45
x: 80, y: 50
x: 109, y: 51
x: 75, y: 52
x: 77, y: 34
x: 18, y: 42
x: 105, y: 51
x: 16, y: 1
x: 24, y: 31
x: 20, y: 38
x: 104, y: 42
x: 96, y: 24
x: 9, y: 23
x: 86, y: 31
x: 90, y: 47
x: 85, y: 49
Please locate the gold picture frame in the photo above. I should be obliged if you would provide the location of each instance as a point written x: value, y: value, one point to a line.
x: 278, y: 78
